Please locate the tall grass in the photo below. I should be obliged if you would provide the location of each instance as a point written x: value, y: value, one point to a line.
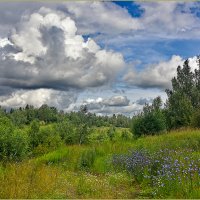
x: 28, y: 180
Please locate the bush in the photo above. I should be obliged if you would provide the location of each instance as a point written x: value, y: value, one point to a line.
x: 66, y: 131
x: 19, y: 145
x: 13, y: 142
x: 49, y: 137
x: 149, y: 124
x: 43, y: 138
x: 151, y: 121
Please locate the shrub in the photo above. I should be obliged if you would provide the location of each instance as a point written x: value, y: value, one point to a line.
x: 13, y: 142
x: 66, y: 132
x: 149, y: 124
x: 138, y: 126
x: 49, y: 137
x: 19, y: 145
x: 43, y: 138
x: 151, y: 120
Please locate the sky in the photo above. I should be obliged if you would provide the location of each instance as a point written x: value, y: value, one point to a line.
x: 111, y: 56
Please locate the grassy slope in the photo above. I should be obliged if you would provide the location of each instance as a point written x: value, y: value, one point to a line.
x: 64, y: 174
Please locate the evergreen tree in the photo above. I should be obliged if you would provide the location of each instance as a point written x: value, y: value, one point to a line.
x: 184, y: 97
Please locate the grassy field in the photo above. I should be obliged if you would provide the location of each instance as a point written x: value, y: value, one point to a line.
x: 168, y: 166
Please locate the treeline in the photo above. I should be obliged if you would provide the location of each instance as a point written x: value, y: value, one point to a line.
x: 33, y: 131
x: 182, y: 107
x: 45, y: 114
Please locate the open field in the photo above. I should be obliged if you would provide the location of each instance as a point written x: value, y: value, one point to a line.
x: 167, y: 167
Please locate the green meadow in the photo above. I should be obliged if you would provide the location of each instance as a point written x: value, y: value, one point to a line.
x: 94, y: 170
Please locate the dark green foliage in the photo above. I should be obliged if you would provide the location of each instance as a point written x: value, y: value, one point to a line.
x: 92, y: 120
x: 150, y: 121
x: 195, y: 120
x: 179, y: 111
x: 121, y: 121
x: 13, y: 143
x: 47, y: 114
x: 184, y: 97
x: 31, y: 113
x: 149, y: 124
x: 18, y: 143
x: 138, y: 126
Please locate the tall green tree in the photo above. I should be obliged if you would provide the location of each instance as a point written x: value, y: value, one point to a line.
x: 184, y: 97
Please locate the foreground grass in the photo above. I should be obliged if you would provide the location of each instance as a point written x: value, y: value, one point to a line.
x: 87, y: 171
x: 26, y: 180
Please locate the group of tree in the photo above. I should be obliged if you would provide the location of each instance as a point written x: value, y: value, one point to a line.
x: 182, y: 107
x: 32, y: 131
x: 46, y: 114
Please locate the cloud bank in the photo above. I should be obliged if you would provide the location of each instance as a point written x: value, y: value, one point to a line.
x: 52, y: 53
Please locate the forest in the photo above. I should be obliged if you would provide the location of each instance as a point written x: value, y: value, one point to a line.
x: 46, y: 153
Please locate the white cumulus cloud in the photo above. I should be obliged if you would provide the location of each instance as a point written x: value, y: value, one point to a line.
x: 50, y: 54
x: 158, y: 75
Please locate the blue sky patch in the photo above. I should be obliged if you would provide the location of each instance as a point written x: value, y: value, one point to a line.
x: 133, y: 8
